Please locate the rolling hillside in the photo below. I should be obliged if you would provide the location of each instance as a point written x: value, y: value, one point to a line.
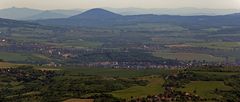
x: 101, y: 17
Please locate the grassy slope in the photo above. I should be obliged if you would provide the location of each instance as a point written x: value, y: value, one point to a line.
x: 12, y: 56
x: 205, y: 88
x: 128, y: 73
x: 19, y: 57
x: 218, y: 73
x: 153, y: 88
x: 5, y: 64
x: 218, y: 45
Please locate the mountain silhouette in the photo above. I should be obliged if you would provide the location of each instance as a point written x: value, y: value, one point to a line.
x: 96, y: 13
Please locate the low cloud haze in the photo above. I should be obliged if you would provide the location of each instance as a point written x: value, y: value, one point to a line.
x: 86, y: 4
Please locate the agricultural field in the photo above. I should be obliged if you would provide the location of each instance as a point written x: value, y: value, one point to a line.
x: 217, y: 73
x: 111, y: 83
x: 152, y: 27
x: 117, y: 72
x: 12, y: 56
x: 168, y: 41
x: 21, y: 57
x: 218, y: 45
x: 8, y: 65
x: 205, y: 89
x: 188, y: 56
x: 154, y: 87
x: 77, y: 44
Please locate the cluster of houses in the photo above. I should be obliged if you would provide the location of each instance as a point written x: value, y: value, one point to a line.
x: 67, y: 53
x: 54, y: 52
x: 139, y: 65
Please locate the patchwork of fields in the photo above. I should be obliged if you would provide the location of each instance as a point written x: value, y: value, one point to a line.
x: 115, y: 83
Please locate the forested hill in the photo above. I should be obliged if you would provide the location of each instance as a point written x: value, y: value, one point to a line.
x: 101, y: 17
x: 14, y: 23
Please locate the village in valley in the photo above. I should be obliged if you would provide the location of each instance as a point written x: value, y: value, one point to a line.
x: 98, y: 55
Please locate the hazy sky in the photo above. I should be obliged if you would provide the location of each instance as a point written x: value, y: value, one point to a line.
x: 74, y: 4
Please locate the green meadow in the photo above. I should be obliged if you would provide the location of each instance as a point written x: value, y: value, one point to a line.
x: 153, y: 88
x: 21, y: 57
x: 114, y: 72
x: 188, y: 56
x: 205, y: 89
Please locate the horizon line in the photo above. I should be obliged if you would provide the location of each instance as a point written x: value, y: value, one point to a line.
x: 118, y: 8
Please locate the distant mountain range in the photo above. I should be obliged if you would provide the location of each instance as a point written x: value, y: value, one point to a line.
x: 34, y: 14
x: 173, y: 11
x: 46, y: 15
x: 101, y: 17
x: 18, y: 13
